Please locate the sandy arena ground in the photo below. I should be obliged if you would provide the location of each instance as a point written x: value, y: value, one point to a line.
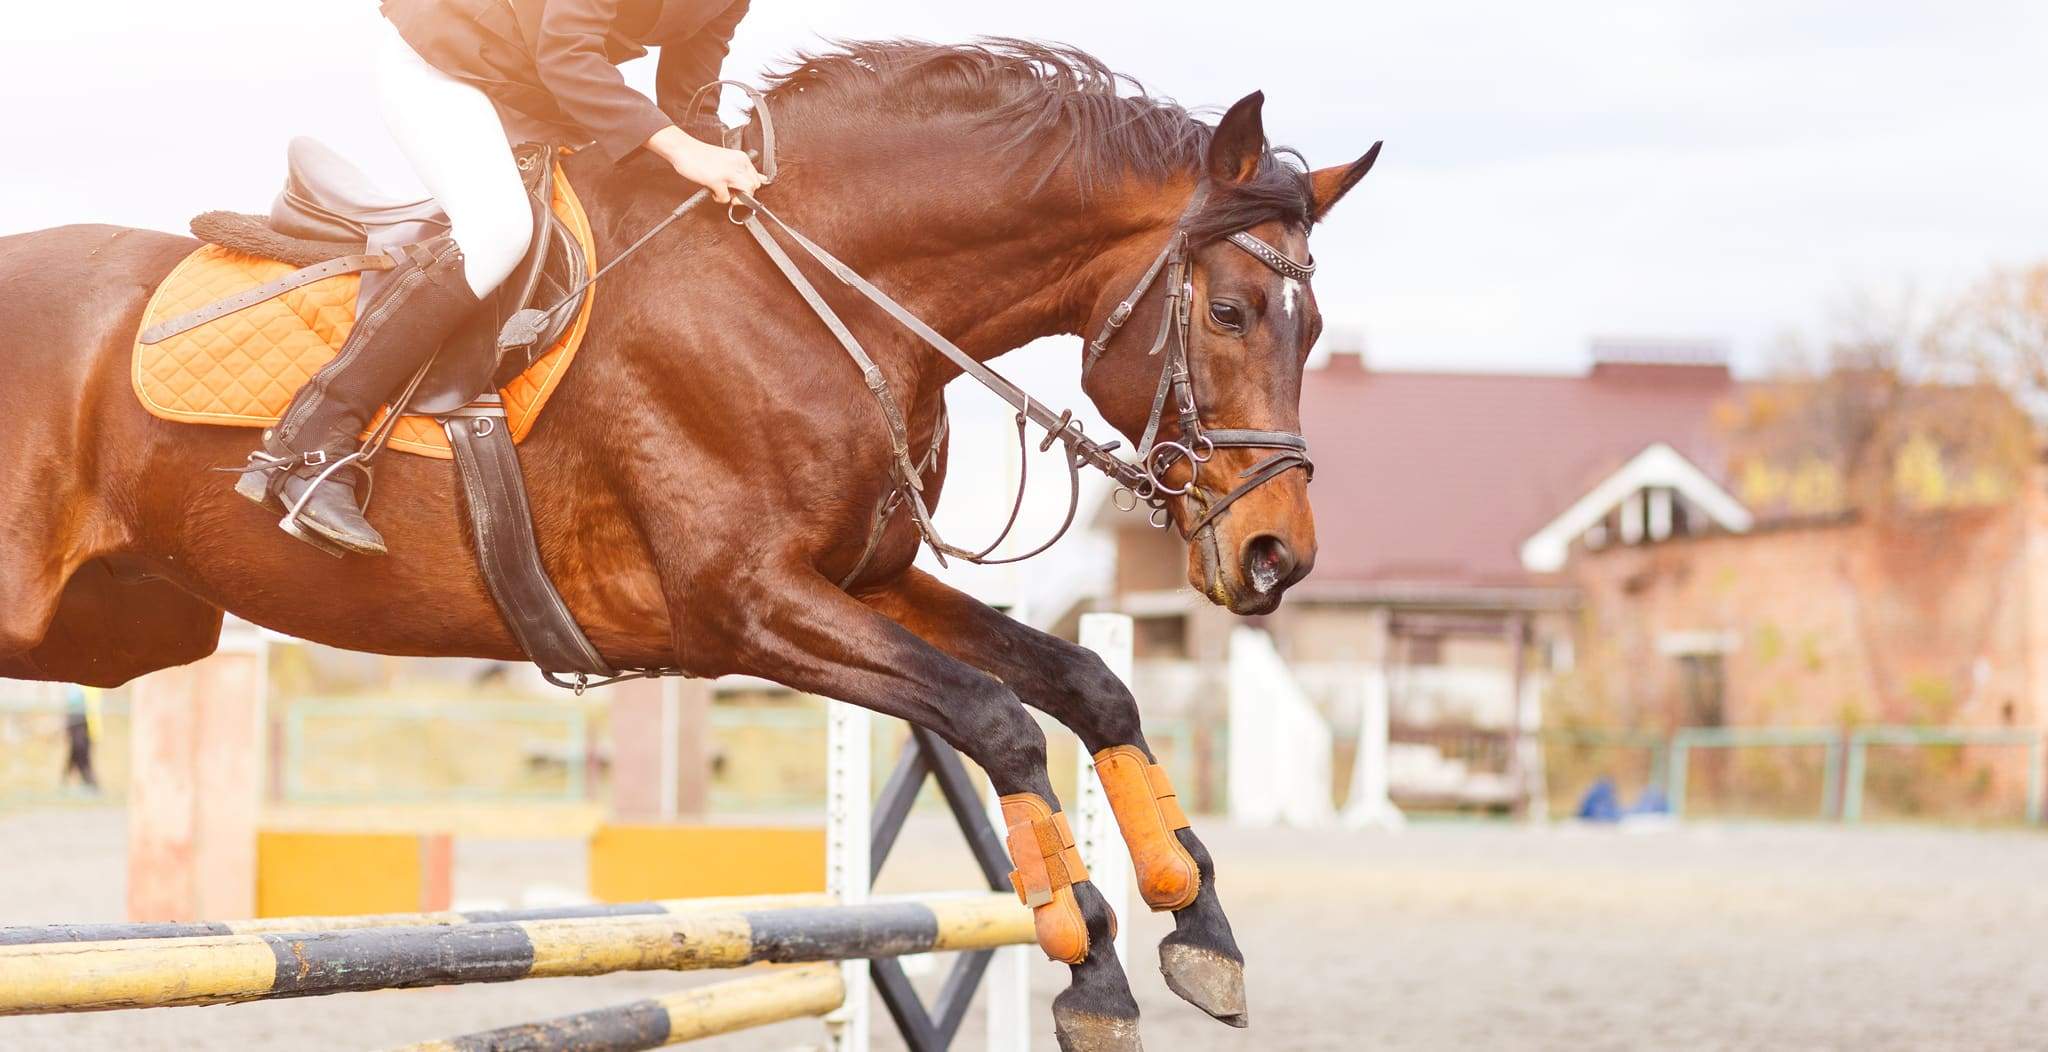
x: 1449, y: 936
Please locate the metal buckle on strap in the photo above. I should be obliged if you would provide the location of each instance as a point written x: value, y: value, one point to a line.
x: 313, y: 459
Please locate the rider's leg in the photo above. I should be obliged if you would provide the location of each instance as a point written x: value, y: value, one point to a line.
x: 452, y: 135
x: 449, y: 131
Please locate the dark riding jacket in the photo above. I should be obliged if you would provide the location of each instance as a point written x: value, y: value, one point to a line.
x: 552, y: 65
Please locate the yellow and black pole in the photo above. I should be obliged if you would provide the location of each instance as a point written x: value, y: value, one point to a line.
x: 218, y: 969
x: 719, y: 1008
x: 25, y: 935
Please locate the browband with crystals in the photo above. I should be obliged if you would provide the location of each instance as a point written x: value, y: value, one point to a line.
x: 1273, y: 257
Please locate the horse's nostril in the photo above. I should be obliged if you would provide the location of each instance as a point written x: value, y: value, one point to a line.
x: 1267, y: 562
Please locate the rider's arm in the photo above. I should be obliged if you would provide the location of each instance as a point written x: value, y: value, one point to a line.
x: 692, y: 62
x: 574, y: 67
x: 570, y: 54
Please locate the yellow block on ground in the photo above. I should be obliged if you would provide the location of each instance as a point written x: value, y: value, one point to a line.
x: 636, y: 863
x: 303, y: 874
x: 470, y: 821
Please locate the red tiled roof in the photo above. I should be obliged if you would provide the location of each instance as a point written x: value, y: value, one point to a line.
x: 1433, y: 480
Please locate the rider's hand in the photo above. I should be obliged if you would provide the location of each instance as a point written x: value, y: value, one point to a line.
x: 715, y: 168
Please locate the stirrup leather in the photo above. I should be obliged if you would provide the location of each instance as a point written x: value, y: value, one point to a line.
x: 1048, y: 866
x: 1149, y: 813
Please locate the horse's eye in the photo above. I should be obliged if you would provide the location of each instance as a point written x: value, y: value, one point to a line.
x: 1227, y: 315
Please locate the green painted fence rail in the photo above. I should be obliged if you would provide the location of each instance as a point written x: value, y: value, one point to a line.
x: 1845, y: 753
x: 1687, y: 739
x: 1861, y: 738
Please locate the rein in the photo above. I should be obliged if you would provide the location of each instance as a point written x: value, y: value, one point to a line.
x: 1143, y: 479
x: 1138, y: 482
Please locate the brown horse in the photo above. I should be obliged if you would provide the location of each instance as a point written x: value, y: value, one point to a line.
x: 708, y: 473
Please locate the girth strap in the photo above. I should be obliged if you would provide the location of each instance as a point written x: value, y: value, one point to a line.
x: 501, y: 524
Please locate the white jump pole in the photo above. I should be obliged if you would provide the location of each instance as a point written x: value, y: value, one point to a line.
x: 849, y: 805
x: 1008, y: 979
x: 849, y: 809
x: 1095, y: 829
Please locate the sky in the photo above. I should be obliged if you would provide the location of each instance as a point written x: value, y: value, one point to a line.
x: 1552, y: 172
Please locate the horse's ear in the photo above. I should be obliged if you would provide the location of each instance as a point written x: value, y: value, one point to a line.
x: 1239, y: 142
x: 1327, y: 186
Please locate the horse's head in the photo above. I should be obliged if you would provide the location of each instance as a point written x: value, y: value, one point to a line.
x: 1224, y: 445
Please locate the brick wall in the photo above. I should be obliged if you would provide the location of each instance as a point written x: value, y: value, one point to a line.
x: 1931, y: 619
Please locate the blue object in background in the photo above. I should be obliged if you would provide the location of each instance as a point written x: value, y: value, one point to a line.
x: 1652, y: 802
x: 1601, y: 802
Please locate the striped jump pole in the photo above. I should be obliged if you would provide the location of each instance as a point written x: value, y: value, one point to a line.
x: 720, y: 1008
x: 220, y: 969
x: 29, y: 935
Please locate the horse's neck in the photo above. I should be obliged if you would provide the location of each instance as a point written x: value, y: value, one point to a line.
x: 995, y: 270
x: 992, y: 266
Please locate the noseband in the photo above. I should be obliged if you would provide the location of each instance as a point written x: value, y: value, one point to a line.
x: 1195, y: 443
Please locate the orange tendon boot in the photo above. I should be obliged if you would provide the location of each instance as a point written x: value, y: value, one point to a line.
x: 1149, y: 814
x: 1048, y: 866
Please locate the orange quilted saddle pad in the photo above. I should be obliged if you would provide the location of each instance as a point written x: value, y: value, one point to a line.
x: 241, y: 369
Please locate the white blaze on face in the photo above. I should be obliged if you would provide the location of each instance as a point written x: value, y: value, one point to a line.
x: 1289, y: 290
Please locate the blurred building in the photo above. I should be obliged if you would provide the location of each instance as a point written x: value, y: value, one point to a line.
x: 1446, y: 504
x: 1895, y: 576
x: 1647, y: 546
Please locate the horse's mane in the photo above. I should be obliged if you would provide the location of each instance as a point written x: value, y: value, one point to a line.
x: 1032, y: 90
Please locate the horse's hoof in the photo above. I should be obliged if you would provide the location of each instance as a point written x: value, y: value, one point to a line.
x: 1206, y: 979
x: 1089, y: 1032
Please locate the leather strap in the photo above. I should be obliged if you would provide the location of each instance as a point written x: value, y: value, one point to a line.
x: 1273, y: 257
x: 501, y: 524
x: 1255, y: 476
x: 269, y: 290
x: 1165, y: 798
x: 1041, y: 846
x: 1050, y: 844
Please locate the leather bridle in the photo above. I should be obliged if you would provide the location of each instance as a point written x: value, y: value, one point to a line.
x: 1195, y: 443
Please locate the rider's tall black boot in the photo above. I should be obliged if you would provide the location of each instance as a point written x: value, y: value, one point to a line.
x: 307, y: 457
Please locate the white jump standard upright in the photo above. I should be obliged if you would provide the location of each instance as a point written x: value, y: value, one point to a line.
x: 856, y: 834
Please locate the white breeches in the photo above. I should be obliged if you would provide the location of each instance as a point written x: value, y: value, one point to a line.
x: 451, y: 133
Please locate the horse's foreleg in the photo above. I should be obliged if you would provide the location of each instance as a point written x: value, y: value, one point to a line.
x: 804, y: 632
x: 1200, y: 959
